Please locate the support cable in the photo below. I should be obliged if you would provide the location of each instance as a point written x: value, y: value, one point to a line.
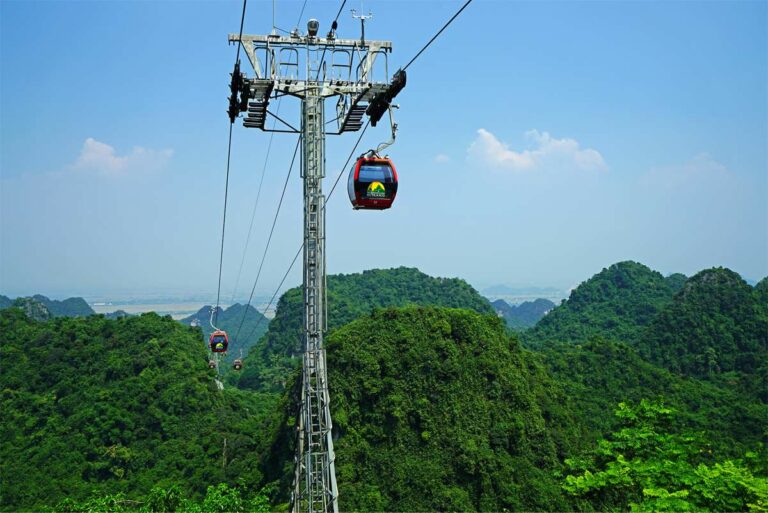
x: 256, y: 204
x: 334, y: 25
x: 335, y: 183
x: 240, y: 39
x: 293, y: 262
x: 269, y: 239
x: 301, y: 14
x: 215, y: 314
x: 438, y: 33
x: 344, y: 167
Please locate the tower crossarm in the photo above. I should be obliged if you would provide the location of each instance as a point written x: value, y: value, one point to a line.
x: 358, y: 90
x: 350, y: 60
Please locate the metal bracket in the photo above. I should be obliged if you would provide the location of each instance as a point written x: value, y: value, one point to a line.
x: 386, y: 144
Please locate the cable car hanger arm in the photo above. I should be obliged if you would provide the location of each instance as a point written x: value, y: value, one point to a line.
x: 386, y: 144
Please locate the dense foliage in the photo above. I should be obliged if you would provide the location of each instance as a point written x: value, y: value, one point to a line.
x: 597, y: 375
x: 715, y: 325
x: 436, y: 409
x: 524, y: 315
x: 244, y: 324
x: 761, y: 293
x: 96, y: 405
x: 617, y: 303
x: 349, y: 297
x: 218, y: 499
x: 645, y: 466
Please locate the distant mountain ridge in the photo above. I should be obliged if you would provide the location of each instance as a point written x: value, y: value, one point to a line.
x: 71, y: 307
x: 523, y: 290
x: 33, y: 308
x: 525, y: 314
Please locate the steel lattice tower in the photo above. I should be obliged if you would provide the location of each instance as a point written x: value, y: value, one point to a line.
x: 312, y: 69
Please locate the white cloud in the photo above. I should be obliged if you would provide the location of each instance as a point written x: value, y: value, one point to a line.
x: 442, y: 158
x: 700, y: 170
x: 102, y: 158
x: 544, y: 151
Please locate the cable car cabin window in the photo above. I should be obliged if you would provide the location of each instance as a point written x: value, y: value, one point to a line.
x: 375, y: 173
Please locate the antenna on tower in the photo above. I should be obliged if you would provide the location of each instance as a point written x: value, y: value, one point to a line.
x: 274, y: 27
x: 362, y: 18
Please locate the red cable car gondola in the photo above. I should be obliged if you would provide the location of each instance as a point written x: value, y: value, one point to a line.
x: 219, y: 341
x: 372, y: 183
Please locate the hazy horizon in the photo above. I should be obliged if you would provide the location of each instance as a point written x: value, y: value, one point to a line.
x: 144, y: 296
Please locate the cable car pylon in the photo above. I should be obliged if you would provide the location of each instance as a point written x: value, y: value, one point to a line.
x: 312, y: 69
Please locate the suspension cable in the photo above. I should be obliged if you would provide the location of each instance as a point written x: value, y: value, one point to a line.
x: 269, y: 239
x: 293, y: 262
x: 335, y: 183
x: 344, y: 167
x: 256, y: 204
x: 438, y: 33
x: 215, y: 315
x: 301, y: 14
x: 240, y: 39
x: 335, y: 21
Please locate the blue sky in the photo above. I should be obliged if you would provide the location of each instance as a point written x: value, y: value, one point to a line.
x: 539, y: 142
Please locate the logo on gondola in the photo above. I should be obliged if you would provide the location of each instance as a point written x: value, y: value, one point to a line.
x: 376, y: 190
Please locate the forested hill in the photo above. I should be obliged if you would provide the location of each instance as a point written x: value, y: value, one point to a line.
x: 72, y: 307
x: 349, y: 297
x: 253, y: 323
x: 711, y: 326
x: 717, y: 324
x: 435, y: 409
x: 92, y: 405
x: 599, y: 374
x: 761, y: 292
x: 616, y: 303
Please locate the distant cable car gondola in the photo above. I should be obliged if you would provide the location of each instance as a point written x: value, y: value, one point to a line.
x: 211, y: 364
x: 237, y: 364
x: 219, y: 341
x: 372, y: 183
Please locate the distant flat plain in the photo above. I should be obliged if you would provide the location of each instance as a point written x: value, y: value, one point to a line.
x: 177, y: 309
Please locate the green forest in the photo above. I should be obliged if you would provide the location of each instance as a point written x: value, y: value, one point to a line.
x: 639, y: 392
